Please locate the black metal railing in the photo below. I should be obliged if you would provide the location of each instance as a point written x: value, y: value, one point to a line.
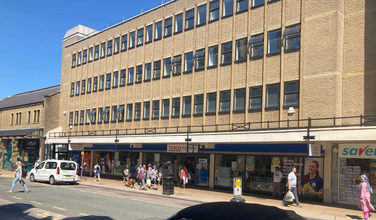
x: 350, y: 121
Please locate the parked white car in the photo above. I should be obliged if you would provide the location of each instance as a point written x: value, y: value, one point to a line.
x: 55, y: 171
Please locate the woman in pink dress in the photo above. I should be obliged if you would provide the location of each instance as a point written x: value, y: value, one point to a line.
x: 365, y: 191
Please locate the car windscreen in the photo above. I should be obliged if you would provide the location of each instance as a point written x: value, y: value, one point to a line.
x: 67, y: 166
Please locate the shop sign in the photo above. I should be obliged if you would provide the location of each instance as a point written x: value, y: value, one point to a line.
x: 76, y: 147
x: 182, y: 149
x: 314, y: 150
x: 357, y: 150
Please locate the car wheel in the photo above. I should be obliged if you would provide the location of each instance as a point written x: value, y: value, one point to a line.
x: 32, y: 178
x: 72, y: 183
x: 52, y: 180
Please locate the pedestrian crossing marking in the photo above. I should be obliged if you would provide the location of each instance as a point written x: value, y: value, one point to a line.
x: 36, y: 203
x: 58, y: 208
x: 83, y: 214
x: 16, y: 197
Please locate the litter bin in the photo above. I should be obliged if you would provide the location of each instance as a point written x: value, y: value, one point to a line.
x: 168, y: 186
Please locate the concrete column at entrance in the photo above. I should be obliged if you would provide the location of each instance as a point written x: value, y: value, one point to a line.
x: 140, y: 158
x: 41, y: 149
x: 211, y: 171
x: 91, y: 163
x: 327, y: 197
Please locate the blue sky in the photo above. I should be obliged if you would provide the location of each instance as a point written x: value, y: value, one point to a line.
x: 32, y: 32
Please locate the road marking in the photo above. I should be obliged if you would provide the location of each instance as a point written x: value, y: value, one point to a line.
x: 58, y: 208
x: 16, y: 197
x: 36, y: 202
x: 44, y: 216
x: 83, y: 214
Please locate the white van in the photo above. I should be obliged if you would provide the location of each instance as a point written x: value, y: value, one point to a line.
x: 55, y: 171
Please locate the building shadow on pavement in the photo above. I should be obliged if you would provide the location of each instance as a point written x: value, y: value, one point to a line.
x: 354, y: 217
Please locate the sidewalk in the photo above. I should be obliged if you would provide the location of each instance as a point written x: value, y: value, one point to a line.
x: 310, y: 210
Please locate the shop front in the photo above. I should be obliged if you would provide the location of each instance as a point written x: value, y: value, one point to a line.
x: 29, y: 152
x: 354, y: 161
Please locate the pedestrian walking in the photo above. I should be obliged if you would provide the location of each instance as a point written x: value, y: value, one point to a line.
x: 125, y: 174
x: 364, y: 192
x: 18, y: 177
x: 148, y: 177
x: 179, y: 174
x: 160, y: 175
x: 97, y: 172
x: 83, y: 169
x: 184, y: 175
x: 154, y: 174
x: 277, y: 180
x: 143, y: 178
x: 291, y: 185
x: 139, y: 174
x: 37, y: 163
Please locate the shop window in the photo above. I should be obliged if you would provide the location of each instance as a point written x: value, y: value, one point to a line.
x: 76, y: 118
x: 292, y: 37
x: 108, y: 81
x: 91, y: 54
x: 272, y: 95
x: 224, y: 102
x: 157, y: 69
x: 132, y: 42
x: 241, y: 49
x: 199, y: 58
x: 87, y: 121
x: 255, y: 97
x: 166, y: 67
x: 79, y: 59
x: 158, y: 30
x: 257, y: 45
x: 228, y: 7
x: 120, y: 113
x: 89, y: 85
x: 156, y: 109
x: 179, y: 23
x: 92, y: 116
x: 140, y: 36
x: 115, y: 80
x: 199, y: 104
x: 130, y: 75
x: 211, y: 102
x: 124, y: 42
x: 187, y: 105
x: 122, y: 77
x: 95, y: 84
x: 214, y: 11
x: 137, y: 111
x: 175, y: 107
x: 96, y: 54
x: 189, y: 19
x: 139, y: 74
x: 100, y: 115
x: 241, y: 5
x: 176, y: 65
x: 78, y: 88
x: 117, y: 45
x: 73, y: 60
x: 291, y: 93
x: 274, y: 41
x: 257, y: 2
x: 213, y: 56
x: 226, y: 53
x: 83, y: 87
x: 103, y: 49
x: 239, y: 99
x: 109, y: 48
x: 72, y: 89
x: 106, y: 115
x: 113, y: 113
x: 70, y: 118
x: 146, y: 110
x: 149, y: 34
x: 147, y: 71
x: 165, y: 107
x: 168, y: 27
x: 188, y: 62
x: 84, y: 58
x: 101, y: 82
x: 201, y: 15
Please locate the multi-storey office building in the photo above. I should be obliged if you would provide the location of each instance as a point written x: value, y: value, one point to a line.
x: 237, y: 81
x: 25, y: 119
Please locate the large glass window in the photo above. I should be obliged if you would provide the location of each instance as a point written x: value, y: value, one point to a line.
x: 158, y: 30
x: 224, y: 102
x: 176, y: 63
x: 113, y: 113
x: 129, y: 111
x: 132, y: 40
x: 137, y: 111
x: 239, y: 99
x: 199, y: 58
x: 188, y: 62
x: 124, y: 42
x: 211, y: 102
x: 120, y: 113
x: 95, y: 84
x: 100, y: 115
x: 72, y: 89
x: 272, y: 95
x: 257, y: 45
x: 109, y: 48
x: 84, y: 58
x: 140, y: 36
x: 226, y: 53
x: 156, y: 109
x: 292, y: 37
x: 79, y: 59
x: 178, y: 23
x: 165, y: 107
x: 166, y: 67
x: 199, y: 104
x: 291, y: 93
x: 157, y: 69
x: 82, y: 117
x: 241, y: 49
x: 101, y: 82
x: 168, y: 27
x: 70, y: 118
x: 108, y: 81
x: 87, y: 116
x: 146, y: 110
x: 91, y: 54
x: 175, y: 107
x: 241, y: 5
x: 116, y: 79
x: 83, y: 87
x: 130, y: 75
x: 96, y: 54
x: 139, y: 73
x: 214, y: 11
x: 103, y: 49
x: 73, y: 60
x: 122, y: 77
x: 255, y: 97
x: 257, y: 2
x: 201, y: 15
x: 76, y: 118
x: 147, y: 71
x: 92, y: 116
x: 117, y: 45
x: 149, y: 34
x: 106, y: 115
x: 187, y: 105
x: 228, y: 7
x: 274, y: 41
x: 213, y: 56
x: 78, y: 88
x: 189, y: 19
x: 89, y: 85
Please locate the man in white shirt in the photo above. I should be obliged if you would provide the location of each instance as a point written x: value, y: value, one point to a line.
x: 277, y: 180
x: 291, y: 185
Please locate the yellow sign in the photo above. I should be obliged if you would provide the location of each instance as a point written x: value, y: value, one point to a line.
x: 82, y: 153
x: 276, y: 161
x: 25, y: 158
x: 238, y: 183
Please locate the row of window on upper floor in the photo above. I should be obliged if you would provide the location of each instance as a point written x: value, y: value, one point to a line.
x: 191, y: 60
x: 113, y: 46
x: 291, y: 98
x: 19, y: 117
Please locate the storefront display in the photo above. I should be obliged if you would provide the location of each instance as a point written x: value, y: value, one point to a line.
x: 113, y: 163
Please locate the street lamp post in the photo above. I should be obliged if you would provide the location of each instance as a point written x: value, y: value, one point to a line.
x: 188, y: 139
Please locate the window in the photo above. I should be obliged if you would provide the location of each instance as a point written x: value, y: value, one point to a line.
x: 146, y: 110
x: 90, y: 54
x: 108, y: 81
x: 132, y: 40
x: 117, y: 44
x: 83, y: 88
x: 92, y: 115
x: 168, y: 27
x: 199, y: 104
x: 156, y: 109
x: 96, y: 55
x: 120, y: 112
x: 149, y: 33
x: 129, y: 111
x: 241, y: 5
x: 179, y: 23
x: 199, y: 58
x: 213, y: 56
x: 140, y: 36
x: 100, y: 115
x: 214, y: 11
x: 224, y: 102
x: 187, y: 105
x: 78, y: 88
x: 130, y: 75
x: 201, y: 15
x: 70, y: 118
x: 241, y: 49
x: 188, y: 62
x: 228, y: 7
x: 291, y: 93
x: 139, y: 73
x: 211, y: 102
x: 255, y: 97
x: 274, y: 41
x: 82, y: 116
x: 84, y: 57
x: 109, y: 48
x: 95, y: 84
x: 38, y: 112
x: 124, y: 42
x: 88, y: 116
x: 226, y: 53
x: 158, y: 30
x: 257, y: 2
x: 167, y: 67
x: 101, y: 82
x: 175, y: 107
x: 147, y: 71
x: 106, y: 115
x: 272, y: 95
x: 157, y: 69
x: 116, y: 79
x: 20, y: 119
x: 165, y: 107
x: 72, y: 89
x: 103, y: 50
x: 176, y: 63
x: 79, y: 59
x: 51, y: 165
x: 122, y: 77
x: 292, y: 37
x: 28, y: 117
x: 11, y: 118
x: 113, y: 113
x: 257, y: 45
x: 137, y: 111
x: 76, y: 118
x: 89, y: 85
x: 189, y: 19
x: 239, y: 99
x: 73, y: 60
